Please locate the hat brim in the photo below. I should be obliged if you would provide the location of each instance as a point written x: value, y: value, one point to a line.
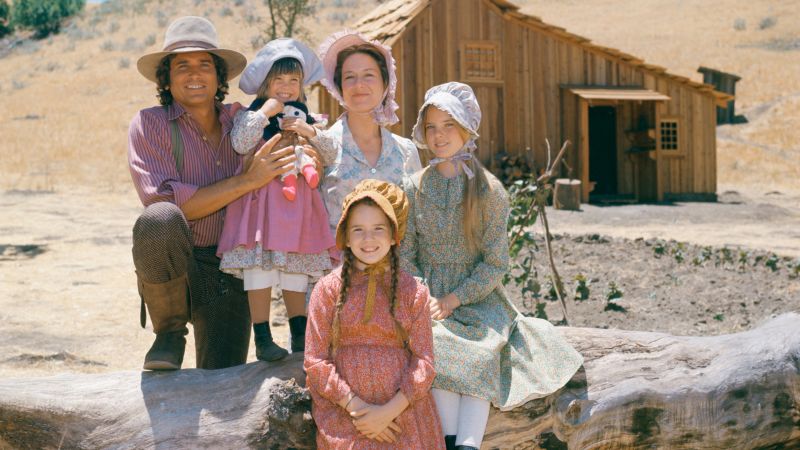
x: 383, y: 204
x: 148, y: 64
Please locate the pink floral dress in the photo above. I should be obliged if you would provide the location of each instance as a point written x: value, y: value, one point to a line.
x: 371, y: 362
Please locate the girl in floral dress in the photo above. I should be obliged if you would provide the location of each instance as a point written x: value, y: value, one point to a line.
x: 486, y: 351
x: 369, y: 356
x: 270, y: 239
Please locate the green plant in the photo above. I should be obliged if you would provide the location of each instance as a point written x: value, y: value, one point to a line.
x: 678, y: 255
x: 613, y: 293
x: 679, y: 252
x: 5, y: 25
x: 772, y: 262
x: 581, y: 288
x: 719, y: 317
x: 659, y: 249
x: 727, y: 256
x: 43, y: 16
x: 522, y: 217
x: 528, y: 198
x: 744, y: 257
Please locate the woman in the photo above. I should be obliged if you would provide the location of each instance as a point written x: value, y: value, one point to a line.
x: 360, y: 74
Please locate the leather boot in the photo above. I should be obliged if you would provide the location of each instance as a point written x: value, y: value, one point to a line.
x: 169, y: 311
x: 297, y: 329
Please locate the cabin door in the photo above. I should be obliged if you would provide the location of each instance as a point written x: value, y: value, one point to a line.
x: 603, y: 150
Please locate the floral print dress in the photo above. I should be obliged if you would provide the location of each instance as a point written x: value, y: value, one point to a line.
x: 486, y: 348
x: 371, y: 362
x: 345, y: 164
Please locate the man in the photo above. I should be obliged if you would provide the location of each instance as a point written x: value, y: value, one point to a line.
x: 184, y: 168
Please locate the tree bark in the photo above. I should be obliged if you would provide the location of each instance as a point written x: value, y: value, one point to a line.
x: 637, y: 390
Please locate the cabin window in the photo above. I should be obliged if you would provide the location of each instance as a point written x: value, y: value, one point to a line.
x: 480, y: 61
x: 669, y: 135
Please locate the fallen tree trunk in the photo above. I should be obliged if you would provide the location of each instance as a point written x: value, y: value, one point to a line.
x: 636, y: 390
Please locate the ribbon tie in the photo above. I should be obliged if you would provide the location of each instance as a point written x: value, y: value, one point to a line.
x: 459, y: 159
x: 374, y: 271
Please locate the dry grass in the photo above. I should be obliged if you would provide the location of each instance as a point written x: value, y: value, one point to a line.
x: 67, y: 105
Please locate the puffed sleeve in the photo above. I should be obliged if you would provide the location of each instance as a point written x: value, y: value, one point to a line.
x: 417, y: 379
x: 488, y: 273
x: 329, y: 145
x: 321, y: 373
x: 408, y: 248
x: 248, y: 129
x: 152, y: 166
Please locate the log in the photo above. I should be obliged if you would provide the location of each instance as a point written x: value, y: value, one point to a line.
x: 567, y: 194
x: 636, y: 390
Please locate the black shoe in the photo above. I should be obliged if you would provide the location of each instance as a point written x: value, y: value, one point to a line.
x: 465, y: 447
x: 297, y: 327
x: 268, y: 350
x: 166, y: 352
x: 450, y: 442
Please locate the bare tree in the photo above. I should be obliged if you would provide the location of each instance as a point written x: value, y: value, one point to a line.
x: 285, y: 16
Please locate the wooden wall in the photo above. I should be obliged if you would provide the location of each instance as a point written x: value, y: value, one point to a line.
x: 530, y: 104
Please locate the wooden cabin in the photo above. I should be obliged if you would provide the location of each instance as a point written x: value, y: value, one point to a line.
x: 723, y: 82
x: 639, y: 133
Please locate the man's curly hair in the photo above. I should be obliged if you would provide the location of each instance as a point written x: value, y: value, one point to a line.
x: 162, y: 75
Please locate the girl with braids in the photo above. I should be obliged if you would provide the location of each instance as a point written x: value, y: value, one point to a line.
x: 486, y: 351
x: 369, y: 357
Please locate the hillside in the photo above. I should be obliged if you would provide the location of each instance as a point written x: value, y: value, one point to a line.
x: 68, y: 99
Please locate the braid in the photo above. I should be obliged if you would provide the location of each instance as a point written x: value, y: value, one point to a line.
x: 401, y: 333
x: 346, y: 267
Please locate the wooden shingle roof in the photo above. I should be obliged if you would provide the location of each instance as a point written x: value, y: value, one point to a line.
x: 387, y: 22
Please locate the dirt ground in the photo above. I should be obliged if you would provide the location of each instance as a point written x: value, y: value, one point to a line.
x: 69, y: 300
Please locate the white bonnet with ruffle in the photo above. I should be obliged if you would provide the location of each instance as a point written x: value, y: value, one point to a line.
x: 459, y: 101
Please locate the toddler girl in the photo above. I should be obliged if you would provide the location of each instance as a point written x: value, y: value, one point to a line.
x: 271, y: 238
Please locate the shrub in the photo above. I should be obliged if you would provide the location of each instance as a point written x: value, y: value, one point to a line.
x: 5, y: 26
x: 43, y: 16
x: 739, y: 24
x: 767, y: 22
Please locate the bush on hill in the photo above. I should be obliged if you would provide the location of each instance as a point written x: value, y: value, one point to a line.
x: 43, y: 16
x: 5, y: 27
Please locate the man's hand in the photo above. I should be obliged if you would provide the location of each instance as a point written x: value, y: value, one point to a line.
x: 265, y: 164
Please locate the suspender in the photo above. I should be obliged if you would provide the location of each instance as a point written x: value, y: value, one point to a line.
x: 177, y: 153
x: 177, y: 144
